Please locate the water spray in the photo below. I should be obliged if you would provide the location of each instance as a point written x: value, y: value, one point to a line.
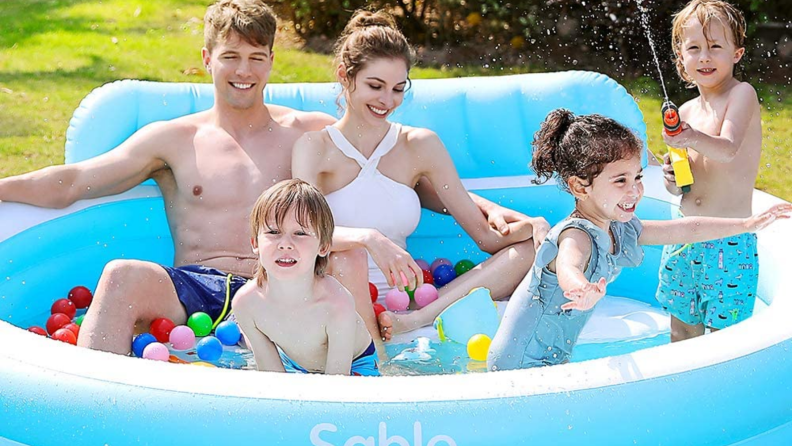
x: 679, y: 157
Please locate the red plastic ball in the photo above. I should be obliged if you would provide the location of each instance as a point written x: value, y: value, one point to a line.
x: 65, y: 335
x: 161, y: 328
x: 378, y: 308
x: 56, y: 322
x: 64, y: 306
x: 81, y: 297
x: 38, y: 330
x: 427, y: 276
x: 374, y: 292
x: 74, y: 328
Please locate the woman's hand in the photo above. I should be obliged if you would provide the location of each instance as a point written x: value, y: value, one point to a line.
x: 394, y: 262
x: 585, y: 297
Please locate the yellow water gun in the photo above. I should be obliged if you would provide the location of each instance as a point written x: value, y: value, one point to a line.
x: 679, y: 157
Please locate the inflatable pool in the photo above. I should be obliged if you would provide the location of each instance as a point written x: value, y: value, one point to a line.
x: 731, y: 387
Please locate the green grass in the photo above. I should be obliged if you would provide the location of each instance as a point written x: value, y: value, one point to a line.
x: 54, y: 52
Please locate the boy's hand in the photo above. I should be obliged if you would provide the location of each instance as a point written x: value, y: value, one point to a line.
x: 669, y: 176
x: 764, y: 219
x: 688, y: 137
x: 585, y: 297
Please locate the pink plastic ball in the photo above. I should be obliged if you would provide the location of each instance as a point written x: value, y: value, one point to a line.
x: 423, y: 264
x: 438, y: 262
x: 397, y: 300
x: 182, y: 337
x: 156, y: 351
x: 425, y: 294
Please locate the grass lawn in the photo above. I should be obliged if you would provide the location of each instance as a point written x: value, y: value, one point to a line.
x: 54, y: 52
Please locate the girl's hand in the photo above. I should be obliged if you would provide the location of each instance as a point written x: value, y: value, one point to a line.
x: 395, y: 263
x: 762, y: 220
x: 585, y: 297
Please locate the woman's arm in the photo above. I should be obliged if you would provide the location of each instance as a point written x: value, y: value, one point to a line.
x: 701, y: 229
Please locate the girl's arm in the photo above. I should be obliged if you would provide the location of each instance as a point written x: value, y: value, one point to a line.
x: 440, y: 170
x: 574, y: 253
x: 701, y: 229
x: 264, y: 351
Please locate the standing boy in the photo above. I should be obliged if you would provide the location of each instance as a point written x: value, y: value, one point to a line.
x: 713, y: 284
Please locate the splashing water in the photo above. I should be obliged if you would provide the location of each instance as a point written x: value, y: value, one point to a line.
x: 645, y: 23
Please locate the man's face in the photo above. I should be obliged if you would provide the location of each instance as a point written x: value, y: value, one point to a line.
x: 239, y: 71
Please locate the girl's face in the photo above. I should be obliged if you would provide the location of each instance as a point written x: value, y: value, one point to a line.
x: 379, y: 89
x: 288, y: 251
x: 615, y: 193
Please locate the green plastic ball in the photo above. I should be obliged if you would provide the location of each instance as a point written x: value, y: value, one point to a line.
x: 200, y: 323
x: 78, y: 320
x: 463, y: 266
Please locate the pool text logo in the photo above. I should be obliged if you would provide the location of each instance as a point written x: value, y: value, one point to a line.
x: 382, y: 440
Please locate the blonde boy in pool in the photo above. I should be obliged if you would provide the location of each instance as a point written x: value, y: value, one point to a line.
x: 713, y: 284
x: 294, y: 317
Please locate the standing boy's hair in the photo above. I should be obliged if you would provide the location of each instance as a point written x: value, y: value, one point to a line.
x: 705, y: 10
x: 252, y: 20
x: 580, y: 146
x: 311, y: 211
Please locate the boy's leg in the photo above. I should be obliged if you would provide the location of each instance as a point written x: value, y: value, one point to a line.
x: 681, y: 331
x: 130, y: 293
x: 501, y: 274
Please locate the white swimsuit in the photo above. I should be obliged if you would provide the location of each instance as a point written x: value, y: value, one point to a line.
x: 373, y: 200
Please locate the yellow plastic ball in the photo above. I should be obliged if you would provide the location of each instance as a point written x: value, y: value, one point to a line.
x: 478, y: 346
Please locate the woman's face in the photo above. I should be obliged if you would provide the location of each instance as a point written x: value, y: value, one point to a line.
x: 378, y: 90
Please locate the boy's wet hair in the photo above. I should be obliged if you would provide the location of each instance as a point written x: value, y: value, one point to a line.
x: 311, y: 211
x: 567, y: 145
x: 370, y: 36
x: 252, y: 20
x: 706, y: 10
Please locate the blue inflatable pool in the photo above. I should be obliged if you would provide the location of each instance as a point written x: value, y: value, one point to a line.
x: 731, y: 387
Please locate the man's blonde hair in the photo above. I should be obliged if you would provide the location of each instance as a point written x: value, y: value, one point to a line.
x: 252, y: 20
x: 705, y: 11
x: 311, y: 211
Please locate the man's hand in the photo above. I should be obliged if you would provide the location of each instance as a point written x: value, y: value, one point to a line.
x: 506, y: 221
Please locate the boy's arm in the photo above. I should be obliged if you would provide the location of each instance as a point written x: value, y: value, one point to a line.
x: 743, y: 103
x: 111, y: 173
x: 341, y: 328
x: 264, y: 351
x: 574, y: 253
x: 701, y: 229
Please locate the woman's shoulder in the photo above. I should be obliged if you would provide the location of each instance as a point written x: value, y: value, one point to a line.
x: 420, y: 138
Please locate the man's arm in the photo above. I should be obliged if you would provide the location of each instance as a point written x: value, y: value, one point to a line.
x: 743, y: 103
x: 111, y: 173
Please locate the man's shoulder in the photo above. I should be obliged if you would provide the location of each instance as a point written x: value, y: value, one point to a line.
x: 300, y: 120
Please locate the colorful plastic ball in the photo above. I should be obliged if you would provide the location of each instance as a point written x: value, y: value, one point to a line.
x: 204, y: 364
x: 182, y: 337
x: 410, y: 293
x: 397, y: 300
x: 228, y: 333
x: 56, y: 322
x: 79, y: 320
x: 378, y: 309
x: 64, y: 306
x: 74, y: 328
x: 156, y: 351
x: 374, y: 292
x: 425, y: 294
x: 141, y: 342
x: 38, y: 330
x: 438, y: 262
x: 423, y: 264
x: 463, y: 266
x: 161, y: 329
x: 427, y: 276
x: 443, y: 274
x: 478, y: 346
x: 65, y: 335
x: 209, y: 348
x: 200, y: 323
x: 81, y: 297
